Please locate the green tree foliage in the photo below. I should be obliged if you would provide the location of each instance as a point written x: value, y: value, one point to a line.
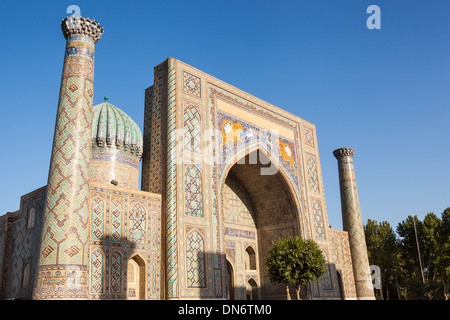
x: 416, y: 264
x: 382, y: 249
x: 295, y: 261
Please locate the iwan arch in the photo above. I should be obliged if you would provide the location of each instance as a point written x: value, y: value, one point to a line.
x: 224, y: 174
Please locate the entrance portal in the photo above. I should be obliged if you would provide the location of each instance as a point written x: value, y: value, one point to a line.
x: 136, y: 278
x: 257, y: 211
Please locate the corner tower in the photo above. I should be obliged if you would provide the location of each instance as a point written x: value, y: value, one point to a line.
x: 352, y: 223
x: 62, y: 271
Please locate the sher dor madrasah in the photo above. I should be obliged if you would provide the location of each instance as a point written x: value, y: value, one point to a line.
x: 224, y: 175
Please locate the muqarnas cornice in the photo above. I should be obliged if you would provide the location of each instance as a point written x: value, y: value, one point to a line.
x: 344, y: 152
x: 81, y: 26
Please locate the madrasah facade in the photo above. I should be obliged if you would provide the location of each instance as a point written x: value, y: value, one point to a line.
x: 224, y: 175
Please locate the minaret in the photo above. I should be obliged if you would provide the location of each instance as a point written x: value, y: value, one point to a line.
x: 353, y: 224
x: 62, y: 271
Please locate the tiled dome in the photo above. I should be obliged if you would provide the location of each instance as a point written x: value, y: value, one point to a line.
x: 113, y: 128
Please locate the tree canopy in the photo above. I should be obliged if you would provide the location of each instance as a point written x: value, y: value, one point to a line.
x: 295, y: 261
x: 415, y: 263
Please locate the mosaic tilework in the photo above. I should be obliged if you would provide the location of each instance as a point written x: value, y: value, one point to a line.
x: 193, y: 191
x: 116, y: 212
x: 195, y: 260
x: 191, y: 84
x: 341, y: 256
x: 352, y: 223
x: 106, y: 167
x: 318, y: 219
x: 171, y: 191
x: 97, y: 271
x: 65, y: 232
x: 326, y: 278
x: 19, y: 246
x: 132, y: 226
x: 137, y: 224
x: 192, y: 130
x: 146, y: 139
x: 116, y: 265
x: 238, y: 135
x: 154, y: 132
x: 309, y: 137
x: 98, y: 213
x: 236, y: 204
x: 313, y: 180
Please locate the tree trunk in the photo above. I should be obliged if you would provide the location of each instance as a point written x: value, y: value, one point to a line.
x: 297, y: 291
x: 288, y: 296
x: 398, y: 289
x: 446, y: 294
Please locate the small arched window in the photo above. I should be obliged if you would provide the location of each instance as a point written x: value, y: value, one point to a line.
x: 26, y: 275
x: 250, y: 259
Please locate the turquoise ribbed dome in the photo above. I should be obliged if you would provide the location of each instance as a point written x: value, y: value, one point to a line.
x: 111, y: 127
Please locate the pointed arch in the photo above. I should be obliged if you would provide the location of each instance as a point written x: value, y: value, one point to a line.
x: 136, y: 280
x: 254, y: 151
x: 250, y: 258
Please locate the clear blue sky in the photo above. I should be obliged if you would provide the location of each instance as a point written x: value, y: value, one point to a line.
x: 384, y: 92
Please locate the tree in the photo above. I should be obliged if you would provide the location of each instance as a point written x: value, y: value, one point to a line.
x: 295, y: 261
x: 382, y: 250
x: 408, y: 246
x: 443, y: 259
x: 432, y: 267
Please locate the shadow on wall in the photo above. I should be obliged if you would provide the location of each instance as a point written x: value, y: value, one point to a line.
x: 117, y: 270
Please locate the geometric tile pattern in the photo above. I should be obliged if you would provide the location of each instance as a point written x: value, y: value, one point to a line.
x: 312, y: 172
x: 193, y: 191
x: 318, y: 219
x: 191, y: 84
x: 309, y: 137
x: 132, y: 227
x: 67, y: 207
x: 137, y: 224
x: 195, y: 260
x: 171, y: 190
x: 97, y: 271
x: 237, y: 135
x: 326, y: 278
x: 341, y: 256
x: 116, y: 221
x: 116, y: 272
x: 352, y: 222
x: 192, y: 129
x: 19, y: 245
x: 236, y: 205
x: 97, y: 228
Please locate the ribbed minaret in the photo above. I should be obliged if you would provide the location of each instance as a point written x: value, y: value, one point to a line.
x: 353, y: 224
x: 62, y: 271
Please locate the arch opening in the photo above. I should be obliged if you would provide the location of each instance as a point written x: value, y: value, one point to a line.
x: 230, y: 280
x: 257, y: 210
x: 136, y: 278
